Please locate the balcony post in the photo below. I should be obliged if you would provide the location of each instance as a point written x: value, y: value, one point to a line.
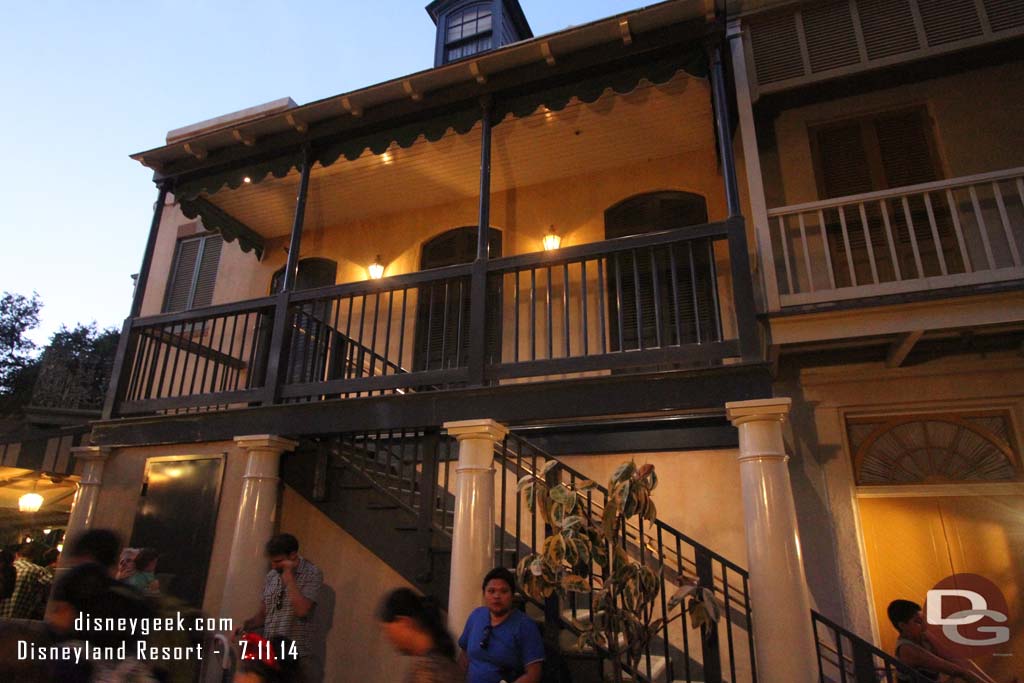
x: 739, y: 257
x: 478, y: 282
x: 118, y: 377
x: 473, y: 529
x: 279, y: 336
x: 752, y: 160
x: 725, y: 151
x: 783, y: 633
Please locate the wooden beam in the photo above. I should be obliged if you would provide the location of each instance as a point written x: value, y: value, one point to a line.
x: 901, y: 348
x: 627, y: 36
x: 295, y: 122
x: 474, y: 68
x: 545, y: 50
x: 196, y: 150
x: 352, y: 109
x: 411, y: 91
x: 246, y: 139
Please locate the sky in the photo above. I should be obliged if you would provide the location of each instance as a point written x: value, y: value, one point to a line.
x: 85, y: 84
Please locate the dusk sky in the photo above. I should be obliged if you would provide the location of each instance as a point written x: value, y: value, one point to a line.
x: 86, y: 84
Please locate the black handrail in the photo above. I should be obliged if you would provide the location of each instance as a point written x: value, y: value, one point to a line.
x: 845, y: 657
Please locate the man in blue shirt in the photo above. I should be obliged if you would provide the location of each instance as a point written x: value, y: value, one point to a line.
x: 501, y: 643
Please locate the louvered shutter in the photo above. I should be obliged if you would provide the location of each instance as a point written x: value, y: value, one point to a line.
x: 443, y: 309
x: 904, y: 141
x: 843, y: 160
x: 207, y: 278
x: 180, y: 289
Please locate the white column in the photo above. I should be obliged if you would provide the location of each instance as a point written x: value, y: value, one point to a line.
x: 783, y: 635
x: 752, y: 162
x: 473, y: 530
x: 84, y: 506
x: 247, y: 564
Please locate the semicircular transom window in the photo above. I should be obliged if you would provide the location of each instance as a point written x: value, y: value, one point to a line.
x: 931, y: 449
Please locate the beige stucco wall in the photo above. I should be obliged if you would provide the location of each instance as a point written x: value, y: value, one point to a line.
x: 821, y: 466
x: 976, y: 117
x: 355, y: 581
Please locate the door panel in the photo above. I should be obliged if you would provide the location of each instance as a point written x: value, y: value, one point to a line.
x: 913, y: 543
x: 177, y: 515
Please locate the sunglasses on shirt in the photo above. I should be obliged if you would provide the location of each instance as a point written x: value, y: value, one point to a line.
x: 486, y: 640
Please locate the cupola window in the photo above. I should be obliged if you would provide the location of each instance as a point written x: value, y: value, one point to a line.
x: 468, y: 32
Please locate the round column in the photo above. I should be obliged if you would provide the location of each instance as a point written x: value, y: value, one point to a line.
x: 783, y: 635
x: 84, y: 506
x: 247, y: 564
x: 473, y: 530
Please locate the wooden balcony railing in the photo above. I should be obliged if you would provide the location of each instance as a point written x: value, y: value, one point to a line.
x: 648, y: 302
x: 963, y: 231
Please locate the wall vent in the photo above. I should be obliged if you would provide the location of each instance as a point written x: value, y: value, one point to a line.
x: 794, y: 45
x: 777, y: 49
x: 947, y: 21
x: 1005, y: 14
x: 828, y: 32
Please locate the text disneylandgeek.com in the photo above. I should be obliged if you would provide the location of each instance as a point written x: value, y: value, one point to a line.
x: 83, y: 650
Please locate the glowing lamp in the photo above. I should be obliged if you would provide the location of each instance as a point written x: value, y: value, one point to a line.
x: 30, y: 502
x: 376, y: 269
x: 552, y: 240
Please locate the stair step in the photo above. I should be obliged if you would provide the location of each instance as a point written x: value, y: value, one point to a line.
x: 381, y: 506
x: 355, y: 487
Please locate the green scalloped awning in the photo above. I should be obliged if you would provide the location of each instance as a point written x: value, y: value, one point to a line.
x: 217, y: 219
x: 587, y: 89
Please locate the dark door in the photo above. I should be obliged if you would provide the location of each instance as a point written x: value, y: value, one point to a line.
x: 177, y: 515
x: 442, y: 308
x: 313, y: 343
x: 637, y: 279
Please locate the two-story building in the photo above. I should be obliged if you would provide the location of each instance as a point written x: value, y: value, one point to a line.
x: 657, y: 236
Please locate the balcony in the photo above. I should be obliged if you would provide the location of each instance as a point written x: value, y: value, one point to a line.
x: 965, y: 231
x: 651, y: 302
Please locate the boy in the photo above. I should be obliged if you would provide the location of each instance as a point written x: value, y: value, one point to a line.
x: 924, y: 654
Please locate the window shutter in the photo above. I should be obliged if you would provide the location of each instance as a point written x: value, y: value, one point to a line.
x: 181, y: 279
x: 207, y: 278
x: 904, y: 143
x: 843, y: 160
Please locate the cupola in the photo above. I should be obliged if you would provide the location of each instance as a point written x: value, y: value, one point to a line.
x: 469, y: 27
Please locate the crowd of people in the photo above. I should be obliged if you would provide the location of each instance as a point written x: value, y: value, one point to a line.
x: 498, y: 643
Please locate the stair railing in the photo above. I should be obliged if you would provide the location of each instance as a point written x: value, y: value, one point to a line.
x: 845, y: 657
x: 682, y: 559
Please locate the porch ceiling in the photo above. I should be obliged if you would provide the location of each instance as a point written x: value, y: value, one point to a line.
x: 15, y: 482
x: 615, y: 130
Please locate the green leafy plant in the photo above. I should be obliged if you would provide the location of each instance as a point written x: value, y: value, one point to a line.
x: 586, y: 551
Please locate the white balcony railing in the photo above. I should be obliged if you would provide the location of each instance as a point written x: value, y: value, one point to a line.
x: 950, y: 233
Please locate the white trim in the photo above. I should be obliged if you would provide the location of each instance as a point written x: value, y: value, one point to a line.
x: 1009, y: 488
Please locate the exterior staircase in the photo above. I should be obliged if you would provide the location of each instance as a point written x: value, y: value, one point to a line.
x: 394, y: 493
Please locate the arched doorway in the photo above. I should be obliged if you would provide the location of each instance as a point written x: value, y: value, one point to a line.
x: 442, y: 310
x: 631, y: 290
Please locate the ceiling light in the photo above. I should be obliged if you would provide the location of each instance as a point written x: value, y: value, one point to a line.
x: 30, y: 502
x: 246, y: 179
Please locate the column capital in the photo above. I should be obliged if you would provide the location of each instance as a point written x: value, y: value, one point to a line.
x: 265, y: 442
x: 757, y: 410
x: 91, y: 452
x: 476, y: 429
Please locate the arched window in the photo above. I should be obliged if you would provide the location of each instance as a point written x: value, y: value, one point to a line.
x: 468, y: 31
x: 685, y: 297
x: 442, y: 309
x: 929, y: 449
x: 313, y: 272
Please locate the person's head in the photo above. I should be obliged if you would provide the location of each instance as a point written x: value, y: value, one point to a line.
x: 50, y: 557
x: 31, y: 551
x: 96, y: 545
x: 499, y: 587
x: 906, y: 618
x: 282, y: 548
x: 413, y: 624
x: 146, y: 559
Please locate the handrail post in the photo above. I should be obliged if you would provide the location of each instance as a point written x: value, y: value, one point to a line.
x: 710, y: 654
x: 478, y: 281
x: 430, y: 444
x: 280, y: 336
x: 119, y: 376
